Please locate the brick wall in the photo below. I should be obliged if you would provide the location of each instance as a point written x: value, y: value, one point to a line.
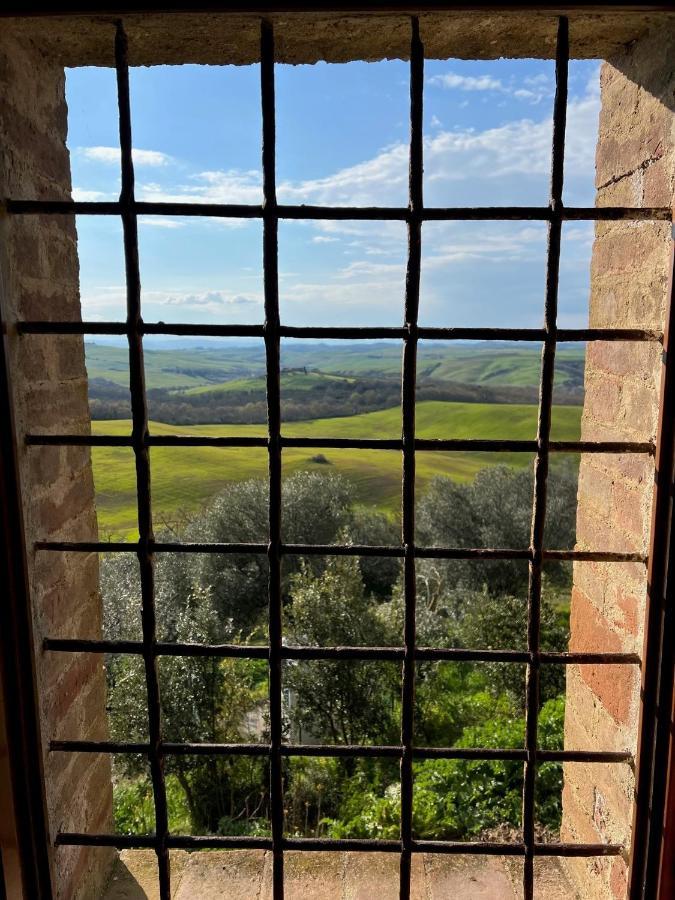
x: 635, y: 166
x: 39, y: 273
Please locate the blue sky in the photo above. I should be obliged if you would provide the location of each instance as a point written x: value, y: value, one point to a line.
x: 342, y: 133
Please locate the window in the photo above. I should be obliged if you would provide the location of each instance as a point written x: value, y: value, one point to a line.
x: 142, y: 441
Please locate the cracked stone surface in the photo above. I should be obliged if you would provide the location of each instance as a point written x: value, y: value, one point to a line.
x: 247, y: 875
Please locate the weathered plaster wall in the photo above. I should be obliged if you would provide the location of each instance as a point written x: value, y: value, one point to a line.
x: 39, y: 279
x: 635, y: 166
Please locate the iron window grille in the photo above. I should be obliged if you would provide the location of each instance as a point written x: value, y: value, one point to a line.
x: 141, y: 440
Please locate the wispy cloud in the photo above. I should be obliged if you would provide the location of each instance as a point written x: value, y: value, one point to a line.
x: 160, y: 222
x: 532, y: 89
x: 82, y: 195
x: 467, y: 82
x: 212, y: 301
x: 111, y: 156
x: 358, y: 270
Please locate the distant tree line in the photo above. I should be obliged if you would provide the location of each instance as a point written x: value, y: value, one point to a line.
x: 325, y: 399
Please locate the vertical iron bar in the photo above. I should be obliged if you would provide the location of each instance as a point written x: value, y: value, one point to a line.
x: 408, y: 385
x: 273, y: 388
x: 542, y: 458
x: 655, y: 734
x: 140, y: 431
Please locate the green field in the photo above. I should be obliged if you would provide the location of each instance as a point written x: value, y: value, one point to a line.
x: 222, y: 366
x: 184, y: 479
x: 292, y: 381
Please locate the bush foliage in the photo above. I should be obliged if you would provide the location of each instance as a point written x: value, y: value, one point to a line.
x: 216, y: 598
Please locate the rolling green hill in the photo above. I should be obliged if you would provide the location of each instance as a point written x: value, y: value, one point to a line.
x: 183, y: 479
x: 222, y: 365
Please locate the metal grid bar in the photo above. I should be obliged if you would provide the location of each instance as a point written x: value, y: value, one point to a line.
x: 542, y: 459
x: 353, y: 845
x: 361, y: 751
x: 341, y: 213
x: 408, y: 388
x: 342, y: 550
x: 139, y: 413
x: 437, y: 445
x: 273, y: 366
x: 363, y: 333
x: 248, y: 651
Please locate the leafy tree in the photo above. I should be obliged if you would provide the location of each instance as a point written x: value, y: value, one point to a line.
x: 495, y: 510
x: 344, y: 601
x: 500, y: 623
x: 315, y: 508
x: 204, y: 699
x: 380, y: 573
x: 345, y: 702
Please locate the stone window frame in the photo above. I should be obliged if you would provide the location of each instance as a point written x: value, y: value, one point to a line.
x: 20, y: 625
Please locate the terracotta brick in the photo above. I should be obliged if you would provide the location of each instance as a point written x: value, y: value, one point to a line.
x: 635, y: 164
x: 618, y: 879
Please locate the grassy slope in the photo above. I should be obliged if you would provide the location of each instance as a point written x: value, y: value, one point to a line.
x: 185, y: 478
x: 292, y: 381
x: 194, y: 368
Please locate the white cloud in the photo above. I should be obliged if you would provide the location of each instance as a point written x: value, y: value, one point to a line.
x: 82, y: 195
x: 208, y: 187
x: 475, y: 158
x: 160, y: 222
x: 111, y: 156
x: 467, y: 82
x: 535, y: 90
x: 491, y: 243
x: 211, y: 300
x: 509, y: 163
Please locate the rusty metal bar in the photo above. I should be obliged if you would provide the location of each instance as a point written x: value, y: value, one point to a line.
x: 341, y: 213
x: 354, y: 845
x: 350, y: 333
x: 360, y: 751
x: 429, y: 445
x: 139, y: 413
x: 542, y: 458
x: 273, y: 391
x: 253, y: 651
x: 396, y: 551
x: 408, y: 388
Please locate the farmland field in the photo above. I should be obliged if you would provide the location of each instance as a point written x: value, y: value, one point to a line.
x: 184, y: 479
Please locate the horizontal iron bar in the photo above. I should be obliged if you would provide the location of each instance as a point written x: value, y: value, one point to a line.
x: 370, y: 333
x: 435, y: 445
x: 339, y: 550
x: 338, y: 213
x: 506, y: 849
x: 479, y: 848
x: 162, y: 440
x: 578, y: 850
x: 342, y: 750
x: 121, y: 328
x: 383, y: 654
x: 576, y: 658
